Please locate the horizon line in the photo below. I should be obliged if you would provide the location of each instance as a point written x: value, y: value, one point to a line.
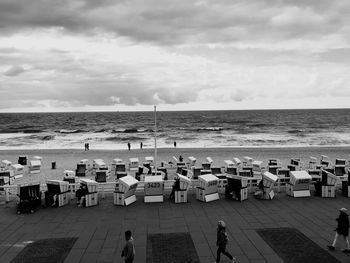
x: 262, y: 109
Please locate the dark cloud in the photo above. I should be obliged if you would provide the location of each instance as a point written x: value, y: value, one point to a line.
x: 14, y: 71
x: 166, y: 22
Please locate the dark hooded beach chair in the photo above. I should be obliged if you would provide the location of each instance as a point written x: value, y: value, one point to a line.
x: 57, y: 193
x: 81, y: 170
x: 29, y: 198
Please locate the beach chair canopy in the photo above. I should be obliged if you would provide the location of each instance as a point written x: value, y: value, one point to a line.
x: 117, y: 161
x: 35, y: 163
x: 149, y: 159
x: 209, y: 160
x: 237, y: 161
x: 99, y: 162
x: 17, y: 167
x: 69, y: 173
x: 229, y: 163
x: 5, y: 163
x: 134, y: 160
x: 248, y: 159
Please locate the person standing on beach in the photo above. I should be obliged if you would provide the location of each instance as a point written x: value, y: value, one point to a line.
x: 174, y: 144
x: 128, y: 251
x: 141, y: 145
x: 221, y: 242
x: 342, y: 230
x: 129, y: 146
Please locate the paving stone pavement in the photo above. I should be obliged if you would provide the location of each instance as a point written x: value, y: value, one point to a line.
x: 100, y: 229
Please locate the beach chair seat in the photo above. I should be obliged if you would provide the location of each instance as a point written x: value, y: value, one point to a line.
x: 81, y: 170
x: 101, y: 176
x: 216, y: 170
x: 29, y: 198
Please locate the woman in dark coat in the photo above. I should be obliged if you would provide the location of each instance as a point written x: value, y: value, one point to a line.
x: 221, y: 242
x: 342, y: 229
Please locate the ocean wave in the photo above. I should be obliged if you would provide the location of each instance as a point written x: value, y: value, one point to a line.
x: 201, y: 129
x: 20, y: 130
x: 133, y: 130
x: 295, y: 131
x: 70, y: 131
x: 125, y: 139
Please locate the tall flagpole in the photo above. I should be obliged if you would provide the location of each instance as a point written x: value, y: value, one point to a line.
x: 155, y: 139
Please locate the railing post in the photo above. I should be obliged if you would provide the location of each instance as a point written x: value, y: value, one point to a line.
x: 7, y: 195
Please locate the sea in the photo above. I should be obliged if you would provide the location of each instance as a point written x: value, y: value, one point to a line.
x: 189, y: 129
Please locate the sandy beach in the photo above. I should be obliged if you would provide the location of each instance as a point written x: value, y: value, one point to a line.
x: 67, y: 159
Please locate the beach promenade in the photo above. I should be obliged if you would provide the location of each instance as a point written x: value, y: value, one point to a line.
x: 100, y: 229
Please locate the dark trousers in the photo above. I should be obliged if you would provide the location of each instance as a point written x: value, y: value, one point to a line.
x: 223, y: 251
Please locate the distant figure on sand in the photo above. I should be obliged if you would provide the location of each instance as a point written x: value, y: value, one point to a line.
x: 128, y: 251
x: 141, y: 145
x: 342, y: 230
x: 181, y: 158
x: 88, y: 146
x: 221, y: 242
x: 129, y: 146
x: 85, y: 146
x: 175, y: 144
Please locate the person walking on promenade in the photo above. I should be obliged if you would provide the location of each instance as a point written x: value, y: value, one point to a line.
x: 342, y: 229
x: 221, y: 242
x: 129, y: 146
x: 128, y: 251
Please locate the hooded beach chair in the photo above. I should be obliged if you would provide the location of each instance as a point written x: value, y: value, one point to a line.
x: 91, y: 197
x: 124, y: 193
x: 34, y: 166
x: 57, y: 193
x: 299, y: 184
x: 154, y: 189
x: 236, y: 187
x: 265, y: 186
x: 18, y: 170
x: 29, y: 198
x: 207, y: 190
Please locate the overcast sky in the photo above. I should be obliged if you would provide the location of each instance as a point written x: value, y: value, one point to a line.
x: 180, y: 55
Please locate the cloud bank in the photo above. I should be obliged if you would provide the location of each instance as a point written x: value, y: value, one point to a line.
x: 181, y: 55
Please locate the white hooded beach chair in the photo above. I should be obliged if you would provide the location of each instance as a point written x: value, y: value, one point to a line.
x: 34, y: 166
x: 207, y: 190
x: 299, y: 184
x: 154, y: 189
x: 18, y: 170
x: 124, y: 194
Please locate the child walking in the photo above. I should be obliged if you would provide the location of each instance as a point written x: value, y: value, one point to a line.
x: 342, y: 229
x: 129, y: 250
x: 221, y: 242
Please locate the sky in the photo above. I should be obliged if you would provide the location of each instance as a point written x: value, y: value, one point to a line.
x: 128, y: 55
